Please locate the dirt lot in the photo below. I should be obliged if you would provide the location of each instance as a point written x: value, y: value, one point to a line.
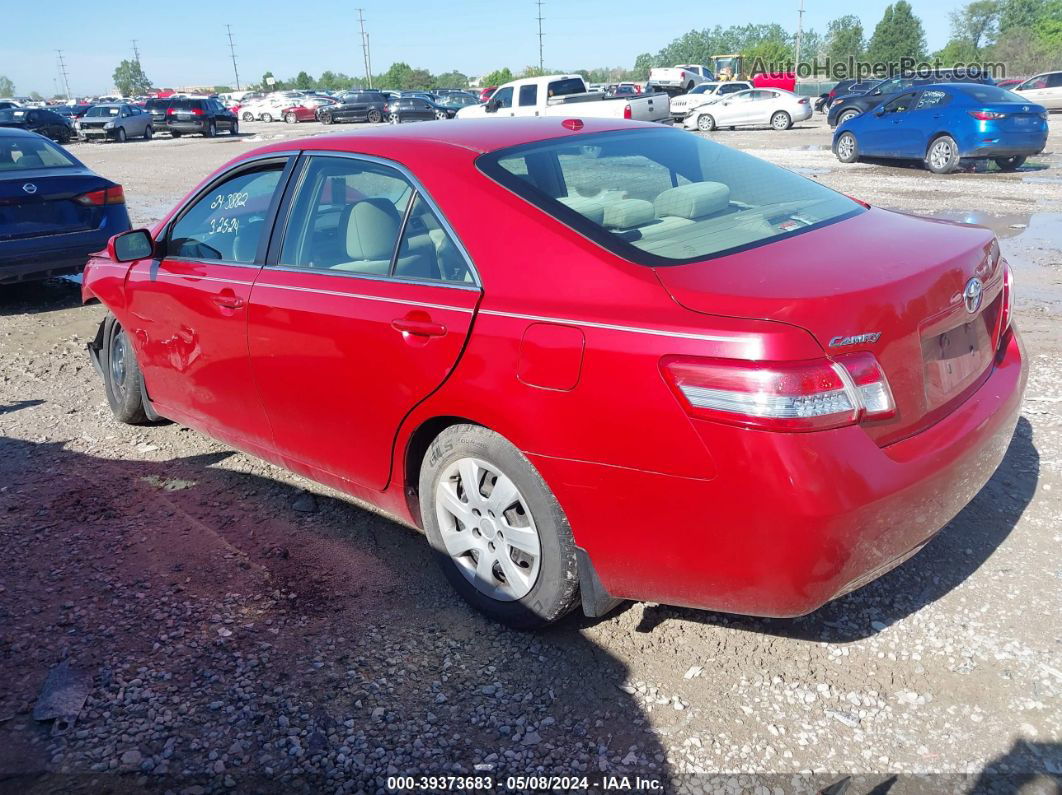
x: 241, y: 628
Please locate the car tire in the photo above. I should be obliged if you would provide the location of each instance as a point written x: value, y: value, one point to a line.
x: 781, y: 120
x: 291, y: 118
x: 705, y: 122
x: 267, y: 117
x: 374, y: 117
x: 148, y: 133
x: 122, y: 380
x: 248, y: 117
x: 847, y: 116
x: 942, y: 157
x: 689, y: 87
x: 1010, y: 163
x: 174, y: 134
x: 326, y: 118
x: 440, y: 114
x: 521, y: 589
x: 393, y: 118
x: 235, y: 128
x: 120, y: 136
x: 847, y: 148
x: 211, y: 130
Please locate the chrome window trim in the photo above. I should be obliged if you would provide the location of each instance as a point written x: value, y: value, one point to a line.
x: 376, y: 277
x: 418, y: 189
x: 381, y: 298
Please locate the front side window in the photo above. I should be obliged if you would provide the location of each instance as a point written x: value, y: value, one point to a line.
x: 503, y: 97
x: 664, y: 197
x: 226, y: 223
x: 900, y: 104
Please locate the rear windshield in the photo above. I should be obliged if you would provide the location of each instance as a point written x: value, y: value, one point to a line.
x: 665, y: 197
x: 102, y: 110
x: 157, y: 103
x: 187, y: 104
x: 22, y: 154
x: 991, y: 94
x: 561, y: 88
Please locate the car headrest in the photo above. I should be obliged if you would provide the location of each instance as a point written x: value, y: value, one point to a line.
x: 586, y: 207
x: 692, y: 201
x: 372, y: 229
x: 627, y: 214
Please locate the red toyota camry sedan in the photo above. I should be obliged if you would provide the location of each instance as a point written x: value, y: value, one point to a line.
x: 594, y: 360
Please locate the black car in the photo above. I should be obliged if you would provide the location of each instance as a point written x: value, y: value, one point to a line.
x: 205, y: 116
x: 406, y: 109
x: 457, y: 101
x: 845, y: 107
x: 39, y: 120
x: 357, y: 106
x: 54, y: 211
x: 157, y: 108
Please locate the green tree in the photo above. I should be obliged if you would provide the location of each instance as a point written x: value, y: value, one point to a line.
x: 222, y: 89
x: 898, y: 35
x: 1020, y: 13
x: 975, y: 24
x: 130, y: 79
x: 1023, y: 52
x: 642, y: 64
x: 304, y: 81
x: 497, y: 77
x: 1049, y: 30
x: 395, y: 77
x: 451, y: 79
x: 36, y: 96
x: 278, y: 85
x: 417, y: 79
x: 7, y: 88
x: 845, y: 39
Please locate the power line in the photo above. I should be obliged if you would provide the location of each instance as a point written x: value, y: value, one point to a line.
x: 541, y: 66
x: 364, y: 46
x: 232, y: 51
x: 63, y: 74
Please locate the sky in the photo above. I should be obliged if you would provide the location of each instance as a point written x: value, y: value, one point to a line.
x: 183, y: 42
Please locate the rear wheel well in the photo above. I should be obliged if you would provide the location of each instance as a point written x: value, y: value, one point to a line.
x: 417, y: 446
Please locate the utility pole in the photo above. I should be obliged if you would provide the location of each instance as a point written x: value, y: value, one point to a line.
x: 63, y: 74
x: 799, y: 36
x: 136, y: 53
x: 232, y: 52
x: 541, y: 62
x: 364, y: 47
x: 368, y: 58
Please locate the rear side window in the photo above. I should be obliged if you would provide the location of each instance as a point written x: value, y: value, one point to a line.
x: 664, y: 197
x: 529, y: 94
x: 933, y: 98
x: 226, y: 224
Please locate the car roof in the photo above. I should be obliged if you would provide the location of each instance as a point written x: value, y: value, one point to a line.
x: 476, y: 135
x: 17, y: 132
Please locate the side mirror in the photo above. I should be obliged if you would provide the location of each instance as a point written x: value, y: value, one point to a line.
x: 880, y: 112
x: 492, y: 106
x: 132, y: 245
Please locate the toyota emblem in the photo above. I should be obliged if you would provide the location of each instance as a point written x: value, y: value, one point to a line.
x: 30, y: 188
x: 972, y: 294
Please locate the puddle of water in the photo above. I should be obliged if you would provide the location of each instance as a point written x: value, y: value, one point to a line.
x: 1036, y: 256
x: 1002, y: 225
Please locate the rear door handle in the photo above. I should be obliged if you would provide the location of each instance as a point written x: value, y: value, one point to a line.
x: 421, y: 328
x: 227, y: 299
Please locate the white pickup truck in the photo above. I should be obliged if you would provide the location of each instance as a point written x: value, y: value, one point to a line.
x: 679, y: 79
x: 566, y: 95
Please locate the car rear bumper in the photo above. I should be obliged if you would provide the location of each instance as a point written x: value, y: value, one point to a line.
x: 188, y: 126
x: 1009, y: 146
x: 790, y: 521
x: 57, y: 255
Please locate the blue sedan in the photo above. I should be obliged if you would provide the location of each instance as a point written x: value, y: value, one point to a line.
x: 54, y: 211
x: 942, y: 123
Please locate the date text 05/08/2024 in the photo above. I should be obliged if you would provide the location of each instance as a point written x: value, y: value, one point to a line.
x: 530, y: 783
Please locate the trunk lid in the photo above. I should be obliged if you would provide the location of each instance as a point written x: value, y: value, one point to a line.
x: 51, y: 207
x: 879, y: 273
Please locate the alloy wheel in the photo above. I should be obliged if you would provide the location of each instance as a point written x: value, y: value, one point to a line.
x: 846, y: 146
x: 487, y: 529
x: 940, y: 155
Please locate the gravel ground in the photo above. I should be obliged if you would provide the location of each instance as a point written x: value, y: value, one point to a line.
x: 240, y: 628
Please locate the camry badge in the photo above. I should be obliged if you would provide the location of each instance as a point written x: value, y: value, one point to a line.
x: 856, y: 339
x: 29, y: 187
x: 972, y: 294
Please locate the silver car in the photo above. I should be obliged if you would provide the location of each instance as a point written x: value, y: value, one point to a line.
x: 116, y: 120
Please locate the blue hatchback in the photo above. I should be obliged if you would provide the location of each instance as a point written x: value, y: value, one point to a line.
x: 54, y: 211
x: 942, y: 123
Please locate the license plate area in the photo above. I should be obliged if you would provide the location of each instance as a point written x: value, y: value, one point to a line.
x: 957, y: 357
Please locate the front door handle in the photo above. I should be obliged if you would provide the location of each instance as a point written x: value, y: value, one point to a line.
x: 421, y: 328
x: 227, y: 299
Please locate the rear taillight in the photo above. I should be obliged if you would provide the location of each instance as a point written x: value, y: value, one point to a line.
x: 197, y: 111
x: 98, y: 198
x: 987, y: 115
x: 627, y: 111
x: 782, y: 396
x: 803, y: 101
